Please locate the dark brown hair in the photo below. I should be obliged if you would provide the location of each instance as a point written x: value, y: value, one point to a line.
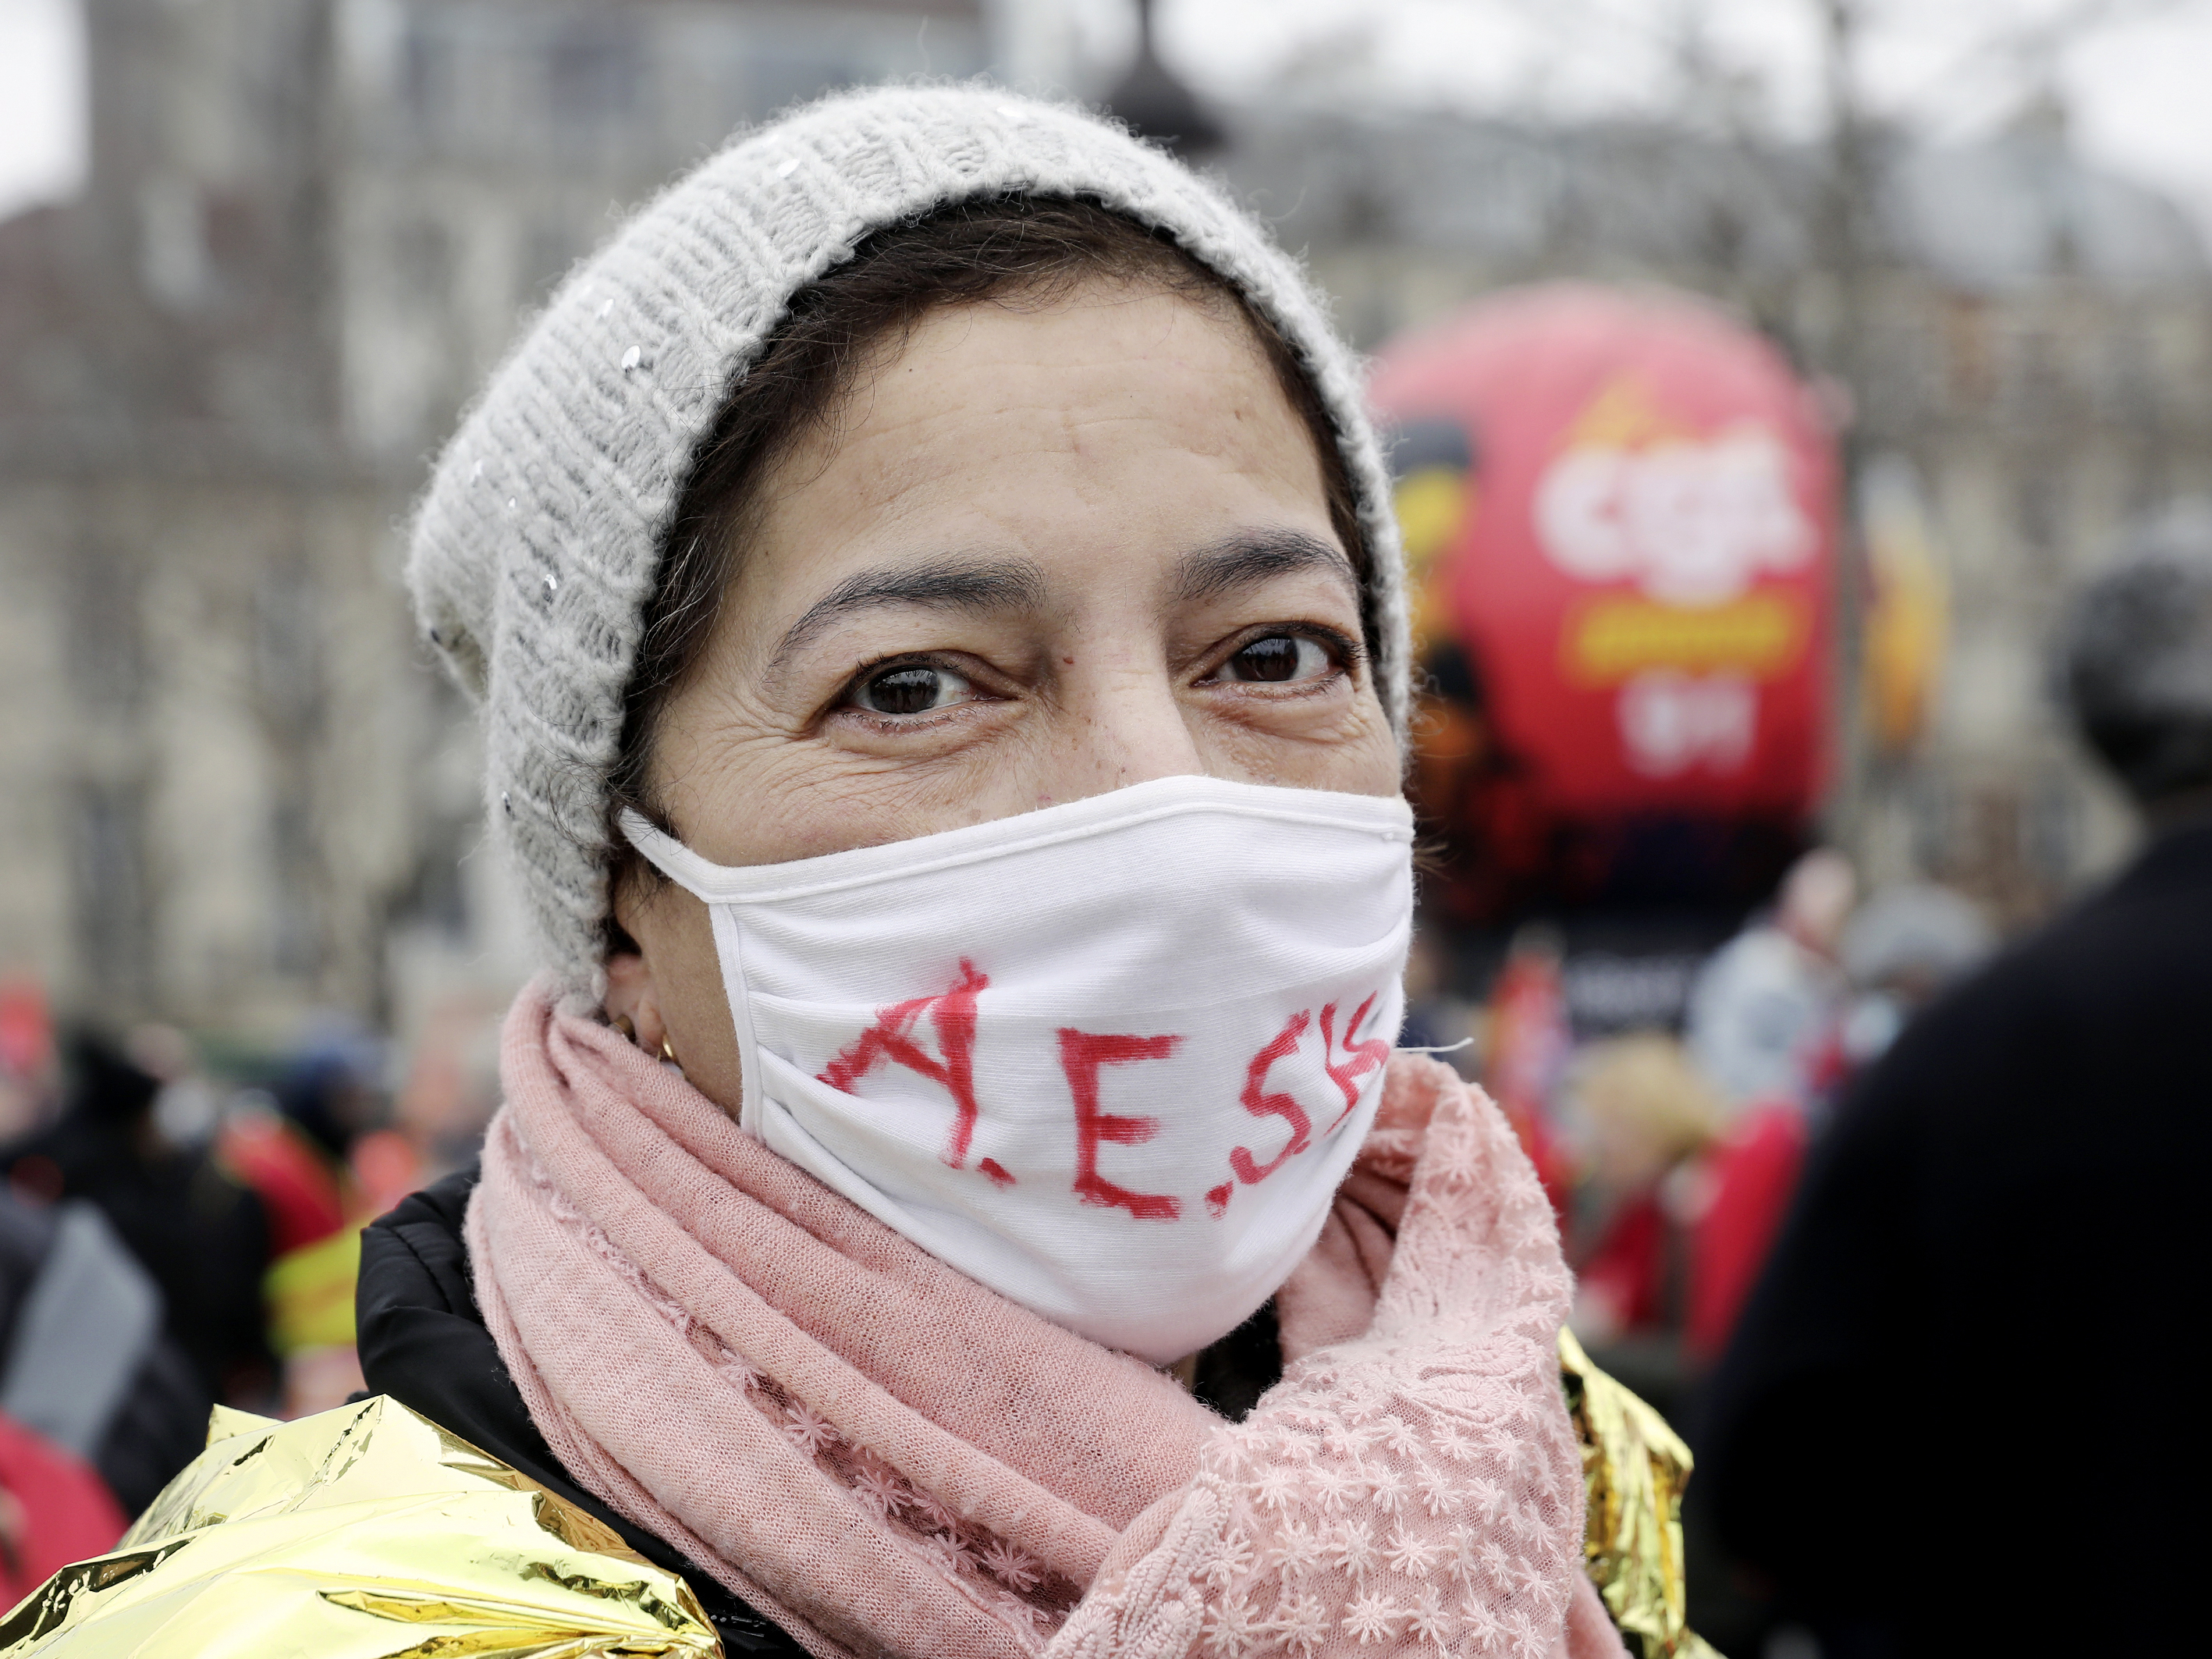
x: 1004, y: 249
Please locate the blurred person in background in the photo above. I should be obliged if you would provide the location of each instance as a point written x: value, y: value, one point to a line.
x: 1900, y: 950
x: 449, y: 1086
x: 297, y: 1181
x: 86, y: 1369
x: 1527, y: 1045
x: 27, y: 1057
x: 98, y: 1408
x: 201, y: 1234
x: 54, y: 1509
x: 317, y: 1147
x: 1897, y: 952
x: 1942, y: 1425
x: 1643, y: 1112
x: 1761, y: 1009
x: 1743, y: 1187
x: 293, y: 1142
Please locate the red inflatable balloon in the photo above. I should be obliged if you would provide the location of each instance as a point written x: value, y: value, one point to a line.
x: 1620, y: 505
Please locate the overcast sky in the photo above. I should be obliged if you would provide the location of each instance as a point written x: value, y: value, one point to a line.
x: 41, y: 101
x: 2135, y: 81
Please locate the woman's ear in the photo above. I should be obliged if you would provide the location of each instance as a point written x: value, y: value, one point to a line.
x: 665, y: 989
x: 631, y: 996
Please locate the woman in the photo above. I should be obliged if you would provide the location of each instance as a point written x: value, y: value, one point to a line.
x: 932, y: 590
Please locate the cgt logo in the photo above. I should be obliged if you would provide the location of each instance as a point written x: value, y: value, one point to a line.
x: 1689, y: 523
x: 1346, y: 1059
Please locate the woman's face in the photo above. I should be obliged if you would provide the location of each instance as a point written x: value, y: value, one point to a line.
x: 1042, y: 554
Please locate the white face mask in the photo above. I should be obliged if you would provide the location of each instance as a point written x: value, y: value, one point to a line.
x: 1110, y: 1059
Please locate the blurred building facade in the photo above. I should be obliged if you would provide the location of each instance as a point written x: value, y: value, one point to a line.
x: 2031, y: 337
x: 231, y: 786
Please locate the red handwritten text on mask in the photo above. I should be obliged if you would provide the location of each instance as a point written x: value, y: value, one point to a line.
x: 1286, y: 1043
x: 1357, y: 1061
x: 890, y: 1038
x: 1081, y: 1056
x: 1359, y: 1058
x: 952, y: 1014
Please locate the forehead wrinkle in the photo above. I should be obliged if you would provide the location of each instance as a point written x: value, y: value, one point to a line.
x: 1249, y: 557
x: 973, y: 583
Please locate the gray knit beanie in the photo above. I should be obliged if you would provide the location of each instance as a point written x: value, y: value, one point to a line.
x: 537, y: 546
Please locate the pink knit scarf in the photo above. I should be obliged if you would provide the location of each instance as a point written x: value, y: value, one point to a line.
x: 886, y: 1458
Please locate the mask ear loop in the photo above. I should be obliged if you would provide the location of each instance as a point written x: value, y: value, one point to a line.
x: 664, y: 852
x: 668, y: 855
x: 649, y: 843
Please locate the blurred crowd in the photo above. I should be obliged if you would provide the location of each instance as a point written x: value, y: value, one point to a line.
x: 1896, y: 1226
x: 1671, y: 1155
x: 180, y: 1230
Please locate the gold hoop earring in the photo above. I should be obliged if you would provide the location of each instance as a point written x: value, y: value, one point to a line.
x: 621, y: 1023
x: 668, y: 1055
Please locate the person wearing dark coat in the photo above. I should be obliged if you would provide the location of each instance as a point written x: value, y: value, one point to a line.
x: 84, y: 1363
x: 201, y: 1234
x: 1946, y: 1423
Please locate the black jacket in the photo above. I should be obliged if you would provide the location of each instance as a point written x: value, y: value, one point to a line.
x: 423, y: 1342
x: 1950, y: 1418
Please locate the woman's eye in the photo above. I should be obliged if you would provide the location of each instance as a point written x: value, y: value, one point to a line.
x: 1279, y: 658
x: 911, y: 689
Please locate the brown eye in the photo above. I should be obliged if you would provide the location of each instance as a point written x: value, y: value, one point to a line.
x: 1278, y: 659
x: 911, y: 689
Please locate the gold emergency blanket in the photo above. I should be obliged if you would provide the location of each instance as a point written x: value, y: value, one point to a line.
x: 1634, y: 1468
x: 362, y: 1533
x: 370, y: 1533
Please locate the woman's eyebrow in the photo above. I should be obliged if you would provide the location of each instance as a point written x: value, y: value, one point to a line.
x: 973, y: 584
x: 1251, y: 556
